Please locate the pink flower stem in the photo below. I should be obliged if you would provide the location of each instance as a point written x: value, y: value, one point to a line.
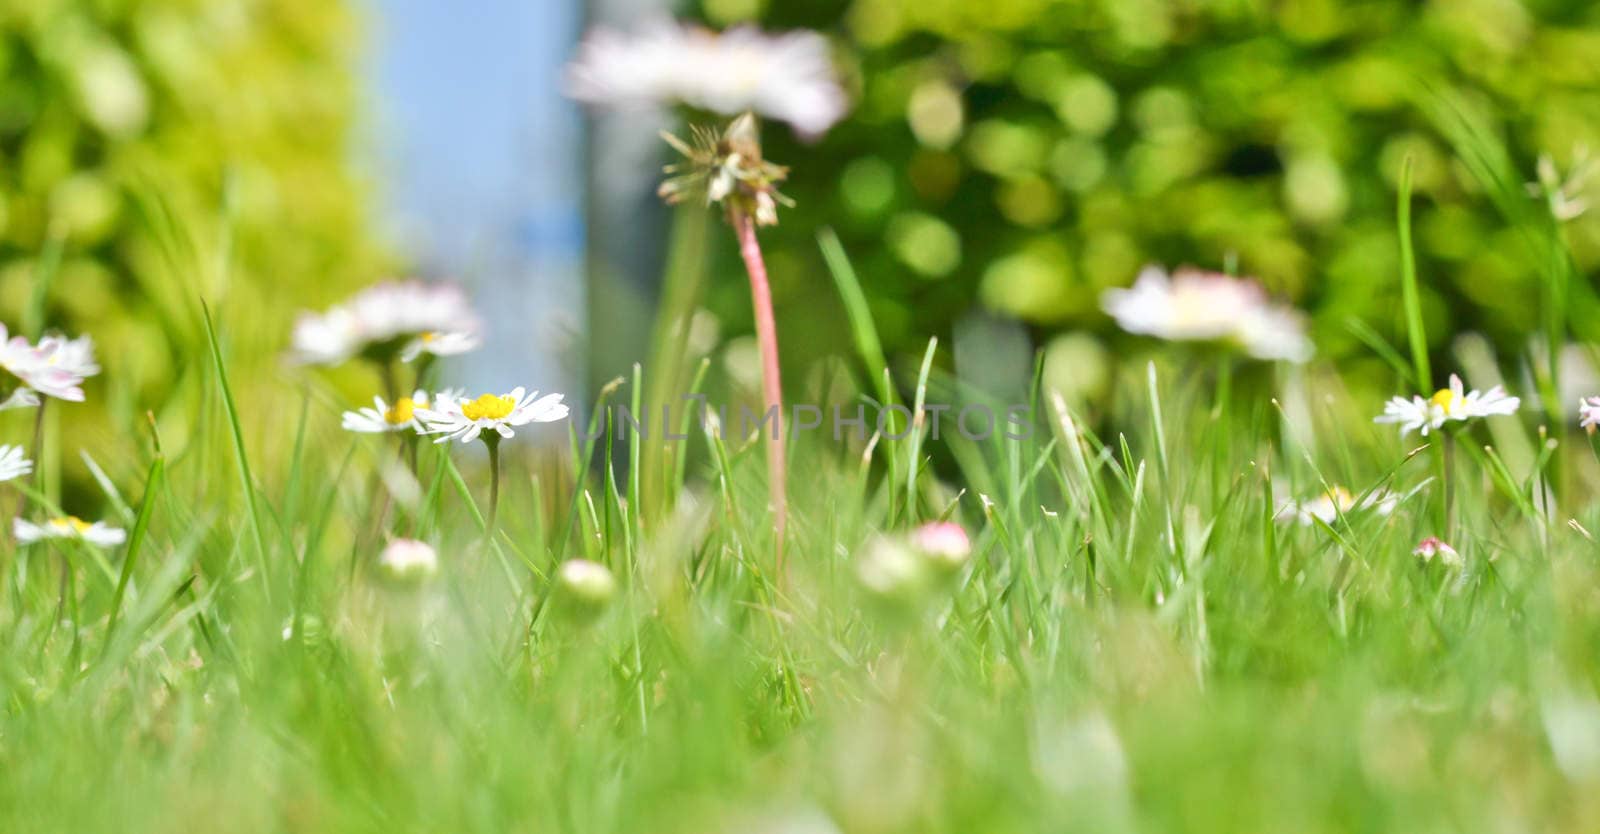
x: 744, y: 226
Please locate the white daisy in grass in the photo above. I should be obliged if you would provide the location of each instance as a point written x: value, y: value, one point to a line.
x: 56, y: 367
x: 440, y: 344
x: 75, y: 356
x: 13, y: 463
x: 1194, y: 305
x: 590, y: 583
x: 99, y: 533
x: 408, y: 560
x: 1454, y: 403
x: 1589, y: 413
x: 1334, y: 502
x: 398, y: 319
x: 1565, y: 195
x: 327, y: 338
x: 19, y: 398
x: 1433, y: 546
x: 465, y: 420
x: 789, y: 76
x: 401, y: 415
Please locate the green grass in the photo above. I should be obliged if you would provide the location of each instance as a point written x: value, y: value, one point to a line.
x: 1135, y: 645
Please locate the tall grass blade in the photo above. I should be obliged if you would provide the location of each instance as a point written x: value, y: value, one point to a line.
x: 242, y: 458
x: 1409, y: 292
x: 136, y: 540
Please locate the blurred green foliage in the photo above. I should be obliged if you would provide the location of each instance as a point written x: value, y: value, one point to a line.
x: 173, y: 150
x: 1028, y: 154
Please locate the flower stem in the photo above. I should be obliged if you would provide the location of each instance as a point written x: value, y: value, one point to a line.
x: 391, y: 384
x: 493, y: 442
x: 1448, y: 474
x: 37, y: 450
x: 744, y: 225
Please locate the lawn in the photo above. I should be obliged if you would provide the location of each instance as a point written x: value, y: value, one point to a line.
x: 1144, y: 626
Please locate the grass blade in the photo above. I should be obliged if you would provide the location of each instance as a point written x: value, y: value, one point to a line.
x: 141, y: 526
x: 246, y: 481
x: 1410, y: 295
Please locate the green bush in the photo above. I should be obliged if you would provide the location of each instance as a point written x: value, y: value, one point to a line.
x: 1028, y: 154
x: 169, y: 151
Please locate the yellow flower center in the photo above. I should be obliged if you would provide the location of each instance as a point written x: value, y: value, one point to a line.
x: 1445, y: 398
x: 1341, y: 498
x: 70, y: 524
x: 403, y: 410
x: 488, y: 407
x: 429, y: 336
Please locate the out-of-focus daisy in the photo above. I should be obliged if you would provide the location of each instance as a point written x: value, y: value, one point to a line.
x: 408, y: 561
x: 1589, y: 413
x: 1564, y: 195
x: 1335, y: 502
x: 1432, y: 546
x: 384, y: 417
x: 13, y: 463
x: 589, y: 584
x: 1447, y: 404
x: 440, y: 344
x: 55, y: 367
x: 75, y: 356
x: 99, y: 533
x: 1194, y: 305
x: 465, y: 420
x: 788, y: 76
x: 19, y: 398
x: 400, y: 319
x: 890, y: 570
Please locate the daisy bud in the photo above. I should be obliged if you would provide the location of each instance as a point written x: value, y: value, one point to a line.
x: 891, y: 570
x: 1432, y: 546
x: 586, y: 586
x: 944, y: 544
x: 408, y: 562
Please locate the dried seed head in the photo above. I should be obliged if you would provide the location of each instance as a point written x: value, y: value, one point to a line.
x: 726, y: 167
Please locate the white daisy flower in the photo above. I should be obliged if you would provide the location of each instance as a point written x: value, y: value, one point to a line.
x: 588, y: 582
x: 440, y: 344
x: 1446, y: 404
x: 1589, y: 412
x: 1433, y: 546
x: 13, y: 464
x: 19, y: 398
x: 401, y: 416
x: 408, y: 560
x: 388, y: 320
x: 1335, y: 502
x: 1565, y: 196
x: 888, y: 568
x: 1197, y: 306
x: 55, y: 367
x: 75, y: 356
x: 326, y: 339
x: 465, y: 420
x: 99, y: 533
x: 788, y: 76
